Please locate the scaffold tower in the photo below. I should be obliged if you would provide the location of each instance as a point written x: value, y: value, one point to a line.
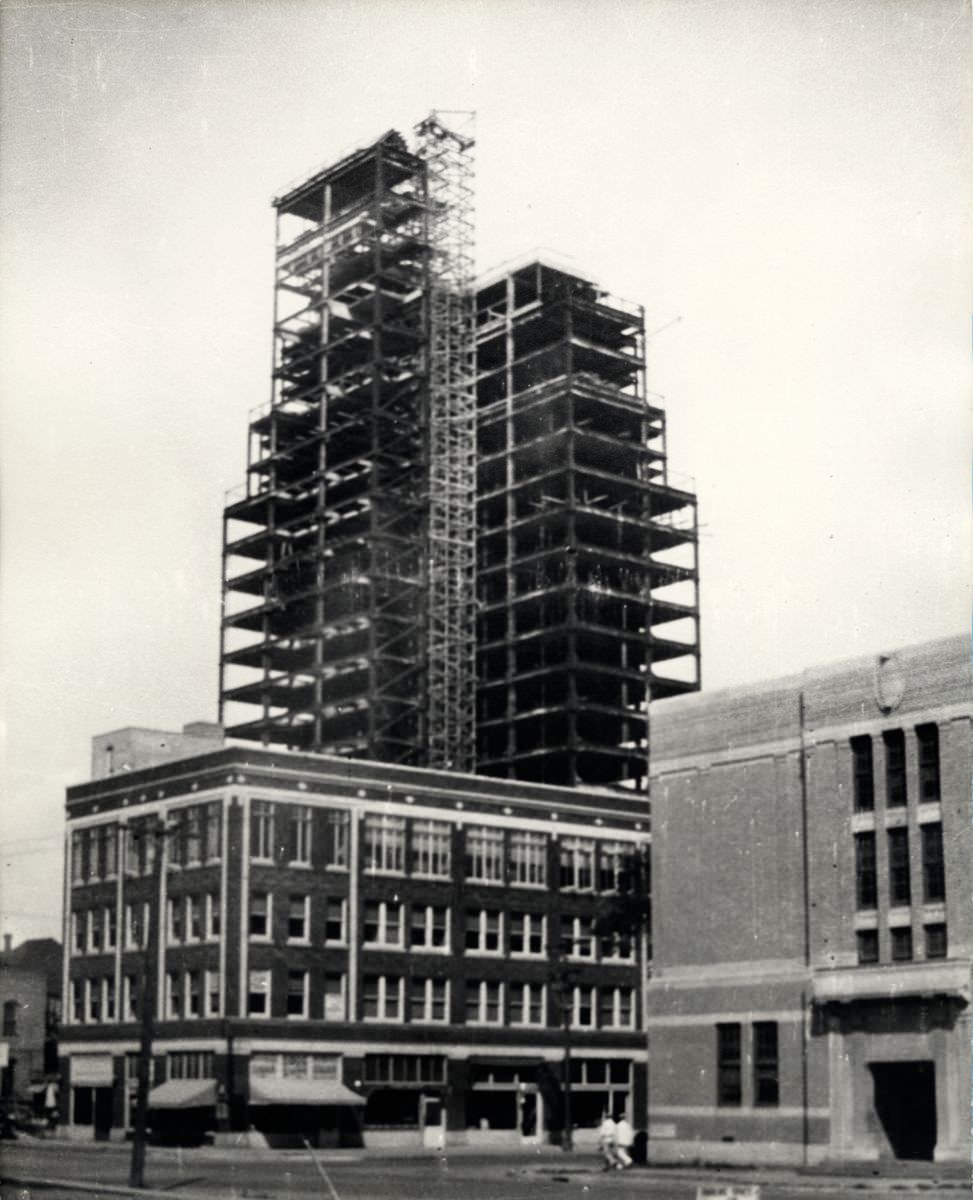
x: 447, y: 150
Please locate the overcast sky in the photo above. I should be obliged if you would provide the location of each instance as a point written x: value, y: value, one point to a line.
x: 789, y: 179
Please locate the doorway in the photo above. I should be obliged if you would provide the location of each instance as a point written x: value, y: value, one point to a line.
x: 905, y: 1104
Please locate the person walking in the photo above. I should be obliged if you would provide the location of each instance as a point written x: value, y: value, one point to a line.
x: 607, y: 1142
x: 624, y: 1137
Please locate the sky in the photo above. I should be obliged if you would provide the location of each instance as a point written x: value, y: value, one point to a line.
x: 782, y: 183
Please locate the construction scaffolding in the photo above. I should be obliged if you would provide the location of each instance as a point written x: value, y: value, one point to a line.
x: 587, y: 565
x: 451, y: 597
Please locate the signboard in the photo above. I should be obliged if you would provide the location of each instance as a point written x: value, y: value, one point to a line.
x: 728, y: 1191
x: 4, y: 1054
x: 91, y: 1070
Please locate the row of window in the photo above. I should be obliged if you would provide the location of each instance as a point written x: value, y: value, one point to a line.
x: 191, y: 994
x: 900, y: 943
x: 395, y: 926
x: 765, y: 1063
x: 193, y: 837
x: 899, y: 868
x: 896, y: 781
x: 189, y: 919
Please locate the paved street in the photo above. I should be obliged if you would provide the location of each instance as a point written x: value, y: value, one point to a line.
x: 545, y: 1176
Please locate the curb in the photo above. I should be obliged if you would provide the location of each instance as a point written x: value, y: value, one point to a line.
x: 795, y: 1183
x: 113, y: 1189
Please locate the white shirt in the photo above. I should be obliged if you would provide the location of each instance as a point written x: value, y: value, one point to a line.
x: 623, y: 1133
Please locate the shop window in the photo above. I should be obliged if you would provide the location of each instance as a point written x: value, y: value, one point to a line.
x: 866, y: 880
x: 384, y: 844
x: 766, y: 1066
x: 863, y: 778
x: 189, y: 1064
x: 404, y: 1068
x: 895, y: 783
x: 484, y: 855
x: 867, y: 941
x: 900, y: 888
x: 431, y: 848
x: 933, y: 866
x: 935, y: 937
x: 901, y: 937
x: 927, y: 741
x: 728, y: 1065
x: 528, y: 859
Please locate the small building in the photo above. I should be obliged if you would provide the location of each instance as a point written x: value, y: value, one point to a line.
x: 349, y: 950
x: 810, y: 990
x: 30, y: 1003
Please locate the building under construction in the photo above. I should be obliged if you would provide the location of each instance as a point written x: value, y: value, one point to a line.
x: 386, y: 597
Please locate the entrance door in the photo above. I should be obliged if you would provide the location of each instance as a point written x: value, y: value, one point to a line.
x: 103, y: 1107
x: 905, y: 1104
x: 431, y: 1121
x: 527, y: 1116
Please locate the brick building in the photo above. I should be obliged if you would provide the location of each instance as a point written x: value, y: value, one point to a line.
x: 30, y: 1002
x: 810, y: 990
x: 348, y: 948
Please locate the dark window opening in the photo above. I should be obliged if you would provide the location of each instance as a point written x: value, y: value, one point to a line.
x: 936, y: 945
x: 866, y: 884
x: 902, y: 944
x: 728, y: 1063
x: 895, y: 789
x: 900, y: 885
x: 862, y: 774
x: 766, y: 1063
x: 927, y: 738
x: 933, y: 868
x: 867, y: 940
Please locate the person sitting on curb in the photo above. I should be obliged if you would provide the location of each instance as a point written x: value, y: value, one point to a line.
x: 607, y: 1142
x: 624, y: 1137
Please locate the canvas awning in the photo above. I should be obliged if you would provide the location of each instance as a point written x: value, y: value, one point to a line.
x: 302, y: 1091
x: 184, y: 1093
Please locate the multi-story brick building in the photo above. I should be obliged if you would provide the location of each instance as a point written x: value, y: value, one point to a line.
x: 347, y: 946
x: 810, y: 990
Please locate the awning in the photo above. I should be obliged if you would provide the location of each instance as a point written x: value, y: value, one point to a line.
x: 184, y: 1093
x: 302, y: 1091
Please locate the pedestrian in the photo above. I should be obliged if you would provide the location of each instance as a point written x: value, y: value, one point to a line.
x: 607, y: 1141
x: 624, y: 1137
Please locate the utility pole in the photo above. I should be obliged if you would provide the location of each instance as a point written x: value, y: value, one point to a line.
x: 136, y: 1175
x: 565, y: 976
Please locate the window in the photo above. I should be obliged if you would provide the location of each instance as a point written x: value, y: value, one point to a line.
x: 431, y: 848
x: 527, y: 1004
x: 10, y: 1018
x: 212, y: 983
x: 94, y: 930
x: 176, y: 922
x: 867, y: 940
x: 616, y: 947
x: 728, y: 1063
x: 194, y: 999
x: 935, y: 936
x: 613, y: 866
x: 382, y: 998
x: 866, y: 882
x: 863, y: 779
x: 577, y: 864
x: 334, y: 997
x: 427, y: 927
x: 297, y: 993
x: 298, y: 919
x: 766, y: 1067
x: 404, y: 1068
x: 262, y: 831
x: 483, y: 931
x: 895, y: 789
x: 900, y: 890
x: 528, y: 859
x: 136, y: 925
x: 92, y: 865
x: 173, y: 995
x: 382, y: 924
x: 427, y: 1000
x: 93, y: 1000
x: 583, y: 1001
x: 194, y: 918
x: 130, y: 998
x: 484, y: 1002
x: 927, y: 740
x: 193, y: 830
x: 527, y: 934
x: 213, y: 825
x: 77, y: 1001
x: 933, y: 867
x: 581, y: 938
x: 189, y: 1064
x: 901, y: 943
x: 79, y: 926
x: 260, y: 915
x: 111, y: 928
x: 484, y: 855
x: 132, y: 850
x: 299, y: 847
x: 616, y: 1008
x: 334, y: 921
x: 384, y: 844
x: 110, y: 851
x: 258, y: 994
x: 77, y: 857
x: 213, y: 916
x: 337, y: 840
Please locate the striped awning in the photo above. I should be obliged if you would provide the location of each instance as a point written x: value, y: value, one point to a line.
x: 184, y: 1093
x: 302, y: 1091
